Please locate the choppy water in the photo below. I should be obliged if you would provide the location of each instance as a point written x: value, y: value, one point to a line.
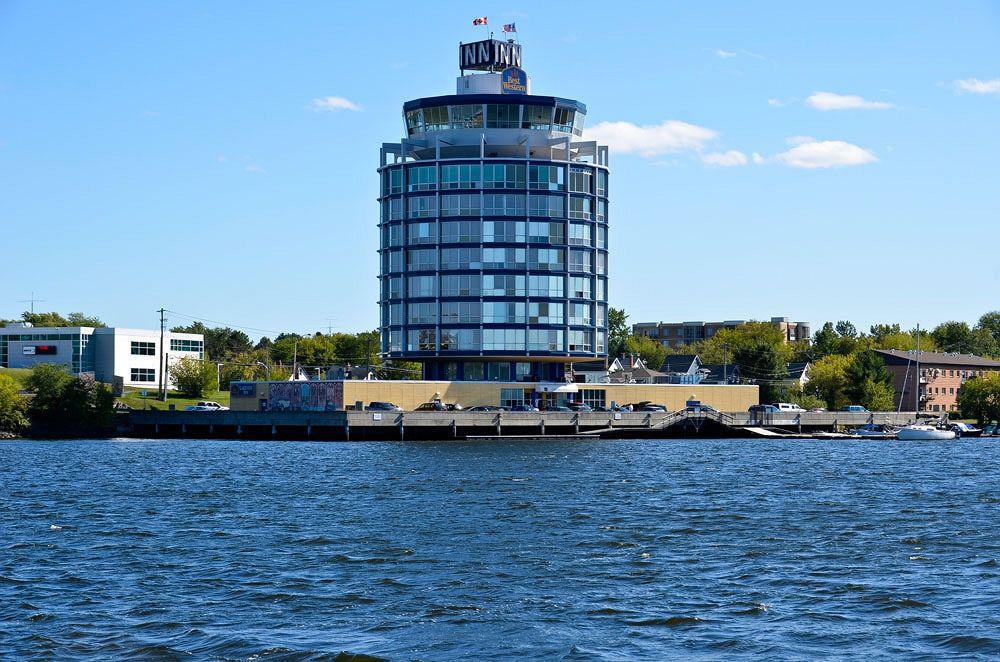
x: 596, y: 550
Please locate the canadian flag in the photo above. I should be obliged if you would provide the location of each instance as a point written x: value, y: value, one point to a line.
x: 479, y: 21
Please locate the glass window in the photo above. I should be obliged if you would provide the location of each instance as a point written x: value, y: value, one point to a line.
x: 503, y: 339
x: 503, y: 285
x: 460, y: 205
x: 544, y: 312
x: 547, y: 286
x: 421, y: 286
x: 553, y: 206
x: 392, y: 236
x: 513, y: 397
x: 537, y: 117
x: 461, y: 312
x: 473, y: 371
x: 422, y: 313
x: 460, y: 232
x: 503, y: 258
x: 602, y: 314
x: 395, y: 209
x: 499, y: 175
x: 424, y: 206
x: 579, y: 208
x: 503, y: 312
x: 143, y: 374
x: 184, y: 345
x: 602, y: 237
x: 461, y: 258
x: 602, y: 289
x: 503, y: 116
x: 422, y: 178
x: 602, y: 341
x: 593, y: 396
x: 550, y: 259
x: 580, y: 234
x: 394, y: 287
x: 422, y: 259
x: 452, y: 339
x: 461, y: 286
x: 580, y: 287
x: 601, y: 263
x: 467, y: 117
x: 460, y: 176
x: 579, y: 313
x: 581, y: 341
x: 396, y: 180
x: 422, y: 233
x: 564, y: 120
x: 503, y: 204
x: 581, y: 260
x: 545, y: 340
x: 395, y: 313
x: 421, y: 340
x: 503, y: 231
x: 602, y: 210
x: 146, y: 348
x: 436, y: 119
x: 545, y: 232
x: 393, y: 261
x: 546, y: 178
x: 413, y: 123
x: 602, y: 183
x: 581, y: 181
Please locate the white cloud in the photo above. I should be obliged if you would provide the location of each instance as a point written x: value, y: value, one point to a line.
x: 757, y: 158
x: 733, y: 157
x: 777, y: 103
x: 730, y: 54
x: 668, y: 137
x: 831, y: 101
x: 799, y: 140
x: 825, y: 154
x: 726, y: 54
x: 977, y: 86
x: 333, y: 104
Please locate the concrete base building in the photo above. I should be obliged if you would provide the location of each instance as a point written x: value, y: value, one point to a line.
x: 941, y: 376
x: 132, y: 354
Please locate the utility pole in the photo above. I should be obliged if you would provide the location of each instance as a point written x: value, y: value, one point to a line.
x: 163, y: 386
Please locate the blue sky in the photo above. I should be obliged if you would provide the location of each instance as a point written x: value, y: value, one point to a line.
x: 817, y: 162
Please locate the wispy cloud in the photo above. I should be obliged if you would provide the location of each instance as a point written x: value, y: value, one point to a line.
x: 668, y: 137
x: 727, y: 159
x: 731, y: 54
x: 976, y: 86
x: 831, y: 101
x: 813, y: 154
x: 333, y: 104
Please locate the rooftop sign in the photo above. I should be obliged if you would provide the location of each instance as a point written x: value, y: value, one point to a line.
x: 489, y: 55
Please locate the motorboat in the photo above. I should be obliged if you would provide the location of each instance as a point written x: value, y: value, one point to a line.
x: 924, y: 433
x: 873, y: 431
x: 966, y: 430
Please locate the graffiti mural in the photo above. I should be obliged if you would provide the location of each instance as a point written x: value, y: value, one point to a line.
x: 305, y: 396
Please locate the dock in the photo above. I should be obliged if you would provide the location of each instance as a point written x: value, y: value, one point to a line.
x: 464, y: 425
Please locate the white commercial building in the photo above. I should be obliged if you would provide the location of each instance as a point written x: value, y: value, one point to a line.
x: 132, y: 354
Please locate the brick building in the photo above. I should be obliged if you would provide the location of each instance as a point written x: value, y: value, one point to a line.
x: 678, y: 334
x: 941, y: 377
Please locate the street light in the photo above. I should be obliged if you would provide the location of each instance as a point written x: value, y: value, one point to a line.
x: 267, y: 369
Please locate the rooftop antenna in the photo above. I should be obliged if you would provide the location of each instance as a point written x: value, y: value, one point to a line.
x: 32, y: 301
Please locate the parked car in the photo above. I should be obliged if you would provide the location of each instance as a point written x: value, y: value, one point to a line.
x: 763, y: 409
x: 382, y: 406
x: 858, y: 409
x: 206, y: 405
x: 701, y: 407
x: 487, y: 408
x: 648, y: 406
x: 432, y: 406
x: 580, y: 406
x: 523, y: 408
x: 563, y: 408
x: 817, y: 410
x: 788, y: 406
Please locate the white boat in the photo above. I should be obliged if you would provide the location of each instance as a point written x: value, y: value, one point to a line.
x: 872, y: 431
x: 923, y: 433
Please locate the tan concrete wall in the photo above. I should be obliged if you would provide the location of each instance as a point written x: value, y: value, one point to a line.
x: 410, y: 394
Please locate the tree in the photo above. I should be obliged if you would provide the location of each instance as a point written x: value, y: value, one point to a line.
x: 63, y: 404
x: 618, y: 331
x: 79, y: 319
x: 868, y: 380
x: 763, y: 363
x: 988, y: 330
x: 193, y: 377
x: 220, y: 342
x: 805, y: 399
x: 879, y: 331
x: 955, y: 337
x: 13, y: 407
x: 845, y: 329
x: 651, y: 351
x: 828, y: 380
x: 44, y: 319
x: 979, y: 398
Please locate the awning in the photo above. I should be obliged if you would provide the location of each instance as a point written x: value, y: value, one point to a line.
x: 556, y: 387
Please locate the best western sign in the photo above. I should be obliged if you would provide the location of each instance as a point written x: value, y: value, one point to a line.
x: 489, y: 55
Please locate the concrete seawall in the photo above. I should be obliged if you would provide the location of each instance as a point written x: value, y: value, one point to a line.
x: 346, y: 426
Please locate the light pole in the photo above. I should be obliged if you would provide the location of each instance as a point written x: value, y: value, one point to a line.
x: 267, y: 369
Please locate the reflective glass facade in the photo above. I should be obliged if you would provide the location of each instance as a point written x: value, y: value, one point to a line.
x: 494, y: 254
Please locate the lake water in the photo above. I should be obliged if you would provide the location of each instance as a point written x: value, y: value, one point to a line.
x: 566, y: 550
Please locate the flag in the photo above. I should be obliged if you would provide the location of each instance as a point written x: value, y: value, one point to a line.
x: 510, y: 27
x: 479, y: 21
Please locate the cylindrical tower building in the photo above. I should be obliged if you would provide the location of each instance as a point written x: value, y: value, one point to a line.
x: 494, y: 230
